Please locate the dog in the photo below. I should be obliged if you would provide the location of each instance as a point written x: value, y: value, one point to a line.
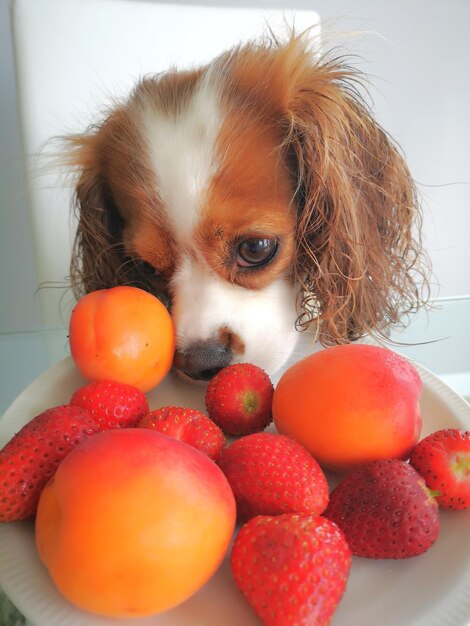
x: 257, y: 197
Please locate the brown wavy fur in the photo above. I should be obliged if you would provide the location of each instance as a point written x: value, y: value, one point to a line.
x: 359, y: 255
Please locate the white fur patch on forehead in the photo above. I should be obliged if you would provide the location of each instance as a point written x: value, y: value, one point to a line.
x: 182, y: 150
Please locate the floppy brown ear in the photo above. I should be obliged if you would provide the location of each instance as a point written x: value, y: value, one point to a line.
x: 97, y: 251
x: 99, y: 258
x: 359, y: 253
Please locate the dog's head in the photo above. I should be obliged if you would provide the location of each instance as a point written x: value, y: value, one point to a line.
x: 257, y: 196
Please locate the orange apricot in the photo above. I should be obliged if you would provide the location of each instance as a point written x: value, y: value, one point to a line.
x: 123, y: 334
x: 350, y: 404
x: 133, y: 523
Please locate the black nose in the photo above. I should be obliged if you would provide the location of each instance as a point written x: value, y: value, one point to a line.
x: 202, y: 360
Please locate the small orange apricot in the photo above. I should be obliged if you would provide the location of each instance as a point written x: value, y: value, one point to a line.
x: 123, y: 334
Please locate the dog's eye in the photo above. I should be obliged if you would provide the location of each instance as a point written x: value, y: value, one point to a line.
x: 256, y: 251
x: 148, y: 269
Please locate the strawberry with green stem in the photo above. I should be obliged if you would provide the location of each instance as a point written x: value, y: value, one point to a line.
x: 443, y: 459
x: 385, y: 510
x: 239, y: 399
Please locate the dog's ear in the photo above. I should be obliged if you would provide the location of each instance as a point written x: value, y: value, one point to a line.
x: 97, y: 250
x: 99, y: 259
x: 359, y: 254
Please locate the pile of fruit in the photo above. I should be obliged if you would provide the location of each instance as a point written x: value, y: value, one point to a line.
x: 157, y: 493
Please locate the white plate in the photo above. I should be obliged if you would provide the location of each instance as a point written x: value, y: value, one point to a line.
x: 429, y: 590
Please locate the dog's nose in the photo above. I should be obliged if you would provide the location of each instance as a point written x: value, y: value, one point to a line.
x: 202, y: 360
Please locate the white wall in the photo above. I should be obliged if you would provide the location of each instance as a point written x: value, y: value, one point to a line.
x: 19, y: 307
x: 417, y: 51
x: 422, y: 97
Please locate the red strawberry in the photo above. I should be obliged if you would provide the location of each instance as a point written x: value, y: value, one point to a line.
x: 272, y: 474
x: 291, y: 568
x: 187, y: 425
x: 385, y: 511
x: 112, y: 404
x: 239, y: 399
x: 443, y: 459
x: 33, y: 455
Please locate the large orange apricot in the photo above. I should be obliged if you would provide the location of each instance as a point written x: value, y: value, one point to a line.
x: 123, y: 334
x: 350, y: 404
x: 134, y: 522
